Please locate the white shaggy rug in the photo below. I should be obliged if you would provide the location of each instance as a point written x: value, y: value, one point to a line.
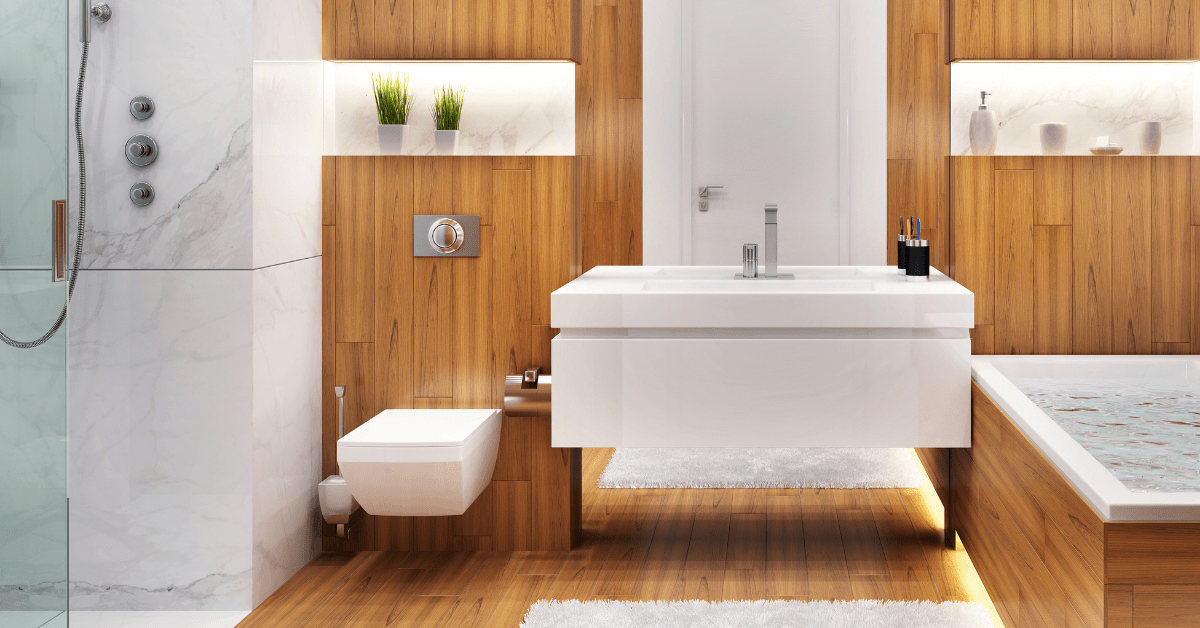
x: 699, y: 614
x: 817, y: 467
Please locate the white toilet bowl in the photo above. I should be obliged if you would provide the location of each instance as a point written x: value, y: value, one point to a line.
x: 420, y: 462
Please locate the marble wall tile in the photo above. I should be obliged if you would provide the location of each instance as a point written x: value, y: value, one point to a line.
x: 287, y: 420
x: 160, y: 440
x: 288, y: 105
x: 287, y: 30
x: 1091, y: 98
x: 510, y: 108
x: 196, y: 65
x: 33, y: 133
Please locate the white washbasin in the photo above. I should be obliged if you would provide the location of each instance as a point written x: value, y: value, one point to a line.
x: 758, y: 286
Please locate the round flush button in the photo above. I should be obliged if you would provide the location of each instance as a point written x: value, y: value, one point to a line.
x: 446, y: 235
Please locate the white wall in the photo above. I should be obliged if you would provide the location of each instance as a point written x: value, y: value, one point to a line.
x: 834, y: 218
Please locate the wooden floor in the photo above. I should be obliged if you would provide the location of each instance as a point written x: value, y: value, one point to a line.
x: 652, y: 544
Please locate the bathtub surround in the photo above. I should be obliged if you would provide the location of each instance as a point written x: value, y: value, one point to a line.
x: 1093, y: 99
x: 761, y: 468
x: 194, y: 356
x: 510, y: 108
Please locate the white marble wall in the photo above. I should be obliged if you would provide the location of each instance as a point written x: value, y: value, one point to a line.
x: 509, y: 108
x: 161, y: 440
x: 195, y: 339
x: 287, y: 420
x: 196, y: 66
x: 1093, y: 99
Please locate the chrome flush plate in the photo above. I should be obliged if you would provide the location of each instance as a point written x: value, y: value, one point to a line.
x: 445, y: 236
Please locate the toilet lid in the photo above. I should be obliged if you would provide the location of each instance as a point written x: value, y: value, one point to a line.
x: 419, y: 428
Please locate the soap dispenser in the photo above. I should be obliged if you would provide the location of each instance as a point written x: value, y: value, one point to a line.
x: 983, y: 128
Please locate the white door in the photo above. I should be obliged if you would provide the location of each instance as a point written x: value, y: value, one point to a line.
x: 782, y: 101
x: 765, y: 125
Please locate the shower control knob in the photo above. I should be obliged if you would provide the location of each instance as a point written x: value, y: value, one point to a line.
x: 142, y: 194
x: 141, y: 150
x: 141, y: 107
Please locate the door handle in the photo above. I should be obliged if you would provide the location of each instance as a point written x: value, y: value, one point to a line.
x: 58, y: 254
x: 704, y: 195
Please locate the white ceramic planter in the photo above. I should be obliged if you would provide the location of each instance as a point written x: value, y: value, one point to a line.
x: 446, y: 142
x: 391, y: 138
x: 1054, y: 138
x: 1150, y: 137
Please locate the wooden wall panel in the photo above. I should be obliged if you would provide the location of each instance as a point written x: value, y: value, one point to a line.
x: 1092, y: 245
x: 1131, y: 36
x: 606, y: 108
x: 1015, y: 36
x: 433, y: 327
x: 512, y: 207
x: 511, y: 527
x: 354, y: 26
x: 552, y: 31
x: 901, y: 72
x: 1092, y: 22
x: 1152, y: 552
x: 1053, y: 270
x: 1052, y: 190
x: 551, y: 512
x: 1166, y: 606
x: 1195, y: 289
x: 974, y: 24
x: 1052, y: 29
x: 1131, y: 199
x: 1118, y: 610
x: 394, y: 28
x: 472, y: 28
x: 929, y: 150
x: 511, y: 36
x: 354, y: 272
x: 973, y: 216
x: 1172, y: 33
x: 328, y: 352
x: 433, y: 29
x: 552, y: 204
x: 900, y: 200
x: 629, y: 52
x: 1014, y: 316
x: 474, y: 381
x: 394, y: 282
x: 1171, y: 271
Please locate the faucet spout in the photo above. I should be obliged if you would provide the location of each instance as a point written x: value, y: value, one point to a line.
x: 772, y: 240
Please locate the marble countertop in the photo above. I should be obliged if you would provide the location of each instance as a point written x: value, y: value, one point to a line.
x: 709, y: 297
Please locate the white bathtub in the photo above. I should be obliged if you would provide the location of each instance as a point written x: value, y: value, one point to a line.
x: 1105, y: 492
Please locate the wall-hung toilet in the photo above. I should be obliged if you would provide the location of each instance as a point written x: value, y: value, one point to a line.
x: 420, y: 462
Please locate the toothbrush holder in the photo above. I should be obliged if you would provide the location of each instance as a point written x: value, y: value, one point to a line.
x: 918, y: 260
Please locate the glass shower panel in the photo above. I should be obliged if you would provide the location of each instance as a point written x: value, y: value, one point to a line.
x: 34, y: 125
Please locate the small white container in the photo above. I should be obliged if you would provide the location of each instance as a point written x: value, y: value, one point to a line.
x: 1150, y: 137
x: 391, y: 138
x: 1054, y: 138
x: 446, y: 142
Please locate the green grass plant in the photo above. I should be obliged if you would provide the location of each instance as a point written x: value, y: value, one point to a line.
x: 393, y: 100
x: 447, y: 108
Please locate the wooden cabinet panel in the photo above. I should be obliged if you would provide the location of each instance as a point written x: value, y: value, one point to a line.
x: 1014, y: 322
x: 1131, y: 198
x: 1170, y: 268
x: 1015, y: 29
x: 1118, y: 606
x: 1092, y: 243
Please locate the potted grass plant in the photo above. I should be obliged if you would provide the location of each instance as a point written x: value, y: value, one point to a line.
x: 447, y: 113
x: 393, y: 102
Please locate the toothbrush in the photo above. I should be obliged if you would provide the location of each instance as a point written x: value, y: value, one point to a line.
x: 918, y: 228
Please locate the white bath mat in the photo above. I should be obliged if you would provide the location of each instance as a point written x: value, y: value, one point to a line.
x: 699, y: 614
x: 817, y: 467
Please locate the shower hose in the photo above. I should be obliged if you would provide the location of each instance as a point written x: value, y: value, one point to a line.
x: 82, y: 218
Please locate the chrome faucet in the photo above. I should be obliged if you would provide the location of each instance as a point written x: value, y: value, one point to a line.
x: 772, y: 237
x: 750, y: 251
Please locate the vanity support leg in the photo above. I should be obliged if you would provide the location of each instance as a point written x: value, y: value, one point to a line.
x: 576, y: 496
x: 948, y: 532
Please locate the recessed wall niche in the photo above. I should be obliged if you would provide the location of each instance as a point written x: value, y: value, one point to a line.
x: 1093, y: 99
x: 510, y: 108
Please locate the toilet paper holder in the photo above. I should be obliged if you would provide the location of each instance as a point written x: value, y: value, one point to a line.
x: 527, y: 395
